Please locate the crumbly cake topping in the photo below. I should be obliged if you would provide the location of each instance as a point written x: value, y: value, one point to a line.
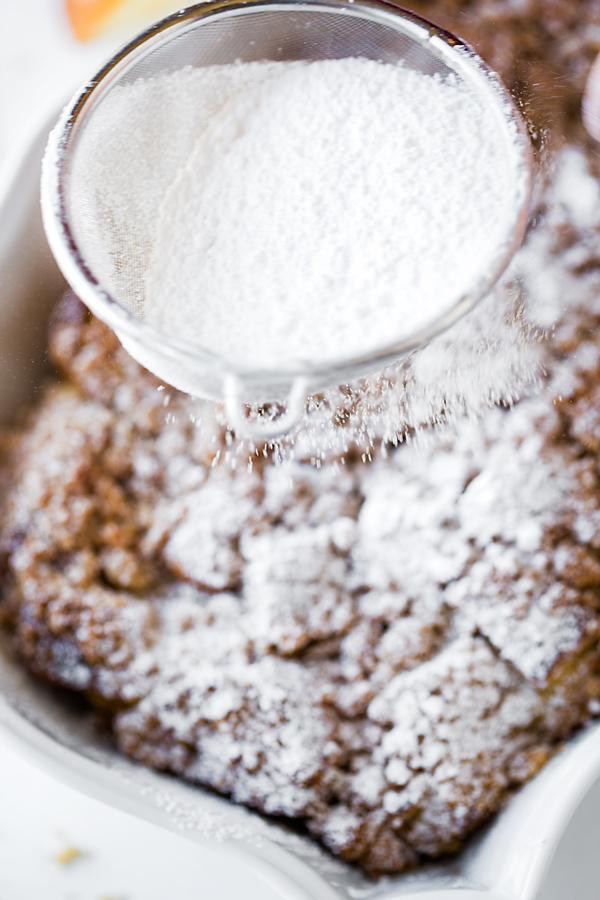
x: 384, y: 651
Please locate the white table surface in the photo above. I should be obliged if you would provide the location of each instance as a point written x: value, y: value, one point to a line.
x: 121, y: 858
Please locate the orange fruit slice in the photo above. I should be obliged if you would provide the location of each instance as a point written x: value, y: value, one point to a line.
x: 91, y: 18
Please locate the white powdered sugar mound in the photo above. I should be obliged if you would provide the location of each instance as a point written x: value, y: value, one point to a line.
x: 326, y: 210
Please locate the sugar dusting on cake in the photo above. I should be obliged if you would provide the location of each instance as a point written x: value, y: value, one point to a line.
x: 382, y: 651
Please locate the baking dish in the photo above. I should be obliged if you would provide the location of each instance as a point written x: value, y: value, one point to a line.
x: 510, y: 859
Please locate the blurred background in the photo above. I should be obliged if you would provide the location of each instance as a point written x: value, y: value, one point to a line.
x: 47, y: 47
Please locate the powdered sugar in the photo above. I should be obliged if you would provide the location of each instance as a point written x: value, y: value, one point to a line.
x: 329, y: 209
x: 383, y: 651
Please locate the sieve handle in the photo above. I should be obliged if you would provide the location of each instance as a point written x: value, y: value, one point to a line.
x: 295, y: 406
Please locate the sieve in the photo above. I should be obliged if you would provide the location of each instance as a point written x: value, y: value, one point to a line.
x: 103, y: 250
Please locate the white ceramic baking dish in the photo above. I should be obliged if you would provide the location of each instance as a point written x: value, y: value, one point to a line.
x: 510, y: 860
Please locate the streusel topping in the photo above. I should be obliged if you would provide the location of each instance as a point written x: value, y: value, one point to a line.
x: 382, y: 650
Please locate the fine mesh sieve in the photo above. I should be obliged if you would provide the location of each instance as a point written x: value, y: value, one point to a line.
x: 100, y: 224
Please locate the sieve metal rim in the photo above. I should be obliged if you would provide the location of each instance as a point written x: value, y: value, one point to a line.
x: 456, y: 53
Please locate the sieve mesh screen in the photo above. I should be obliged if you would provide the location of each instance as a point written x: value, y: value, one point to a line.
x: 113, y: 216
